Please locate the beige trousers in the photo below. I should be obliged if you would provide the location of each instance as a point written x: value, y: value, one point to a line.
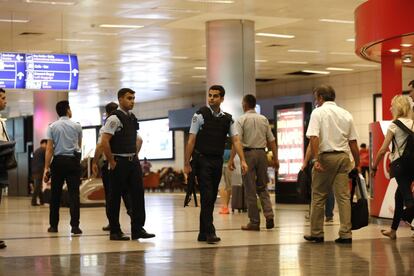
x: 336, y: 167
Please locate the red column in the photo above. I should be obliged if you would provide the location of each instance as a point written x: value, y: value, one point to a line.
x: 391, y: 71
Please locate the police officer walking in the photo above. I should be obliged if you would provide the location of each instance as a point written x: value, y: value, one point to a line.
x: 119, y: 144
x: 64, y: 139
x: 208, y: 133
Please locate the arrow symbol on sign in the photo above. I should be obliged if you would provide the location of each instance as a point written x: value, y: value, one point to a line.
x: 20, y: 75
x: 75, y: 72
x: 19, y: 57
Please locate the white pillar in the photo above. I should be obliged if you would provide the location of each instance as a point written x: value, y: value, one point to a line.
x: 231, y: 60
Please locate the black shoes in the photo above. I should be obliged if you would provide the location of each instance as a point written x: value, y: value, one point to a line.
x: 313, y: 239
x: 2, y: 245
x: 212, y: 239
x: 142, y: 234
x: 201, y: 237
x: 342, y: 240
x: 106, y: 228
x: 270, y: 223
x: 52, y: 229
x: 118, y: 237
x: 76, y: 231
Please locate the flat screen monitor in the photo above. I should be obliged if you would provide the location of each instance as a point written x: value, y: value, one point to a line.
x: 89, y: 138
x: 290, y: 137
x: 158, y: 139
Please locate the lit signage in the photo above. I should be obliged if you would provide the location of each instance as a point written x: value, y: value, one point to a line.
x: 290, y: 138
x: 39, y: 71
x: 12, y: 70
x: 52, y: 72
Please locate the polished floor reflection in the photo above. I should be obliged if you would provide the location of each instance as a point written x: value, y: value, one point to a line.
x: 175, y: 251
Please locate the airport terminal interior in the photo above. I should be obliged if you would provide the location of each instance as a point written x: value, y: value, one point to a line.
x: 169, y: 52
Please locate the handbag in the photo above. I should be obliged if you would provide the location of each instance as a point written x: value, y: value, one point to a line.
x: 8, y: 158
x: 359, y: 209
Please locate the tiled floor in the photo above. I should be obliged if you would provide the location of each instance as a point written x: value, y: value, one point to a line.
x: 175, y: 251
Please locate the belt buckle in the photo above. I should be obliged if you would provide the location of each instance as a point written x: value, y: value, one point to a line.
x: 131, y: 158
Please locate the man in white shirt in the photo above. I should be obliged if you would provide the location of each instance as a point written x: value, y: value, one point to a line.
x: 3, y: 137
x: 332, y: 133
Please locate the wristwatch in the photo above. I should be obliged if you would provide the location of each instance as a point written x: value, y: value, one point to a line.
x: 314, y: 160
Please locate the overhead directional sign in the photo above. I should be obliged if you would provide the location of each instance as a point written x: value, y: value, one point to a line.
x: 12, y: 70
x: 52, y: 72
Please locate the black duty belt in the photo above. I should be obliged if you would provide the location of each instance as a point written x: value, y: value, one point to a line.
x: 64, y: 156
x: 129, y: 158
x: 249, y: 149
x: 332, y: 152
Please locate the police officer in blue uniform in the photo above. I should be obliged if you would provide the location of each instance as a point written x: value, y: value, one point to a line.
x: 208, y: 133
x: 64, y: 139
x: 119, y: 144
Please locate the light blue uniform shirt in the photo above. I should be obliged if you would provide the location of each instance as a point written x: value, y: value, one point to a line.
x: 65, y: 135
x: 198, y: 121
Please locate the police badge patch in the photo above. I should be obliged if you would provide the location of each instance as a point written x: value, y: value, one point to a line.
x: 194, y: 119
x: 112, y: 125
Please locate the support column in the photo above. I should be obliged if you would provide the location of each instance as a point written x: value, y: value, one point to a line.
x: 44, y: 112
x: 231, y: 60
x: 391, y: 71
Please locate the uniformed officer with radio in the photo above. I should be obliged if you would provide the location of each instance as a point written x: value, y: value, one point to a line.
x: 208, y: 133
x: 119, y: 146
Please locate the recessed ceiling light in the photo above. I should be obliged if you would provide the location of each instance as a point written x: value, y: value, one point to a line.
x: 200, y: 68
x: 121, y: 26
x: 342, y: 53
x: 351, y: 40
x: 14, y: 20
x: 275, y: 35
x: 50, y: 2
x: 339, y: 69
x: 171, y: 9
x: 292, y: 62
x: 336, y: 21
x: 394, y: 50
x: 303, y: 51
x: 258, y: 41
x: 408, y: 58
x: 364, y: 65
x: 174, y: 82
x: 316, y: 72
x: 73, y: 40
x: 213, y: 1
x: 98, y: 33
x: 406, y: 45
x: 261, y: 60
x: 179, y: 57
x: 199, y: 77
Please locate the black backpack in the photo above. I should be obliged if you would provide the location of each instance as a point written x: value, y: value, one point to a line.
x: 407, y: 157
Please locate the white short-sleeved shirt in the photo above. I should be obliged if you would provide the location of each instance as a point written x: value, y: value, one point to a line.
x: 198, y: 121
x: 334, y: 126
x: 113, y: 124
x: 400, y: 137
x: 254, y: 130
x: 3, y: 135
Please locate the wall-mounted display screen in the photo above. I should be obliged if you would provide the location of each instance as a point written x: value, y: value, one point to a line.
x: 158, y: 140
x: 290, y: 137
x: 89, y: 138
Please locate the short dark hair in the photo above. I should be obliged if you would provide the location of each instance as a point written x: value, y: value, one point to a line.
x: 2, y: 90
x: 326, y: 92
x: 62, y: 108
x: 250, y: 100
x: 43, y: 141
x: 218, y: 88
x: 111, y: 107
x: 411, y: 84
x: 124, y: 91
x: 363, y: 145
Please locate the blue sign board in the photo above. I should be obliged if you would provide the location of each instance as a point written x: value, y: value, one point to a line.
x: 52, y: 72
x: 12, y: 70
x: 39, y: 71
